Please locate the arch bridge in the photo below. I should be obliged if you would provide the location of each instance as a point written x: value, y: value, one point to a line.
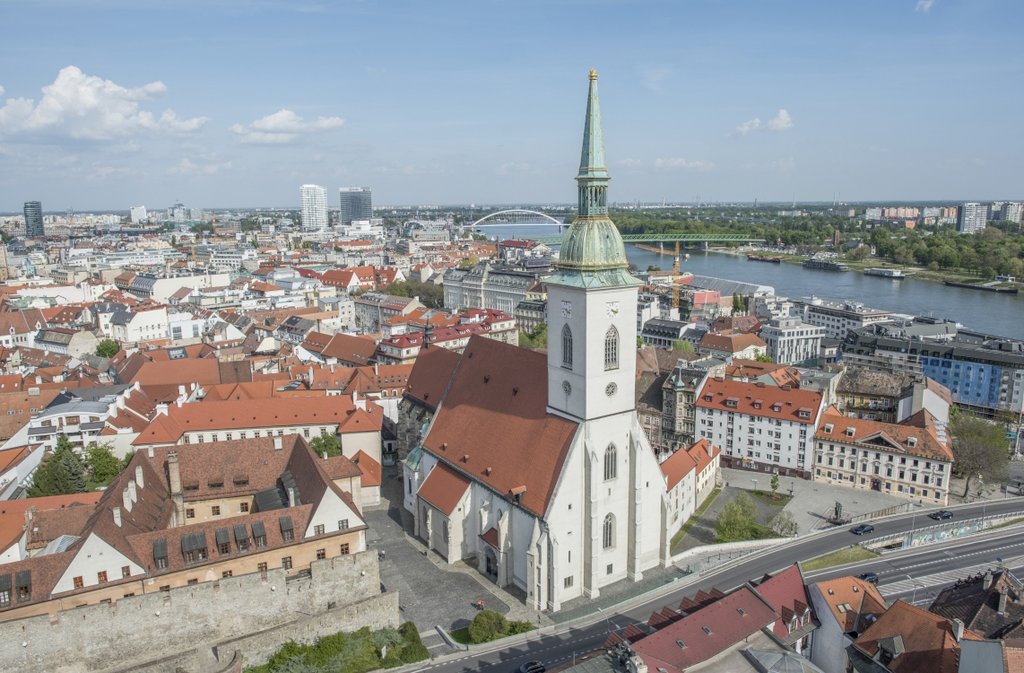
x: 670, y: 237
x: 518, y: 217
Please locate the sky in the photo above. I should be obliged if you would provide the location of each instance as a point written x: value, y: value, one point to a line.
x: 106, y: 104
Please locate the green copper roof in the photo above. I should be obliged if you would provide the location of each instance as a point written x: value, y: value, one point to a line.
x: 593, y: 243
x: 592, y: 157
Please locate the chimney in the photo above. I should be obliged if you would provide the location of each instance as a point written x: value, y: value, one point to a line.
x: 958, y: 629
x: 174, y: 480
x: 986, y: 581
x: 133, y: 494
x: 325, y: 455
x: 150, y: 452
x: 161, y: 409
x: 1002, y: 600
x: 138, y: 476
x: 117, y: 516
x: 291, y: 497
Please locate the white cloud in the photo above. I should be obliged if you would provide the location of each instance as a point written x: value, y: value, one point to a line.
x: 781, y: 121
x: 923, y: 5
x: 748, y: 126
x: 653, y: 77
x: 2, y: 90
x: 629, y: 163
x: 188, y: 167
x: 282, y: 127
x: 512, y: 167
x: 678, y: 163
x: 86, y: 107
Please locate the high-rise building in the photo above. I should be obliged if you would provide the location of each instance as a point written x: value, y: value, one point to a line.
x: 34, y: 219
x: 138, y: 214
x: 356, y: 204
x: 1012, y: 211
x: 973, y: 217
x: 314, y: 207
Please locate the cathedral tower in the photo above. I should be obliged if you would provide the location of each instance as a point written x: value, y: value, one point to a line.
x: 592, y: 297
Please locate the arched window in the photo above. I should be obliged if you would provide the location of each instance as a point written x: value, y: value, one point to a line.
x: 609, y: 531
x: 566, y: 347
x: 611, y: 348
x: 611, y: 469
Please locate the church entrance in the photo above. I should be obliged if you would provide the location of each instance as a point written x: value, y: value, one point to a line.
x: 490, y: 563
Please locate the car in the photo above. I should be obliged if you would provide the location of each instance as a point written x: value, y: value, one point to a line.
x: 869, y: 577
x: 941, y: 515
x: 532, y: 667
x: 863, y: 529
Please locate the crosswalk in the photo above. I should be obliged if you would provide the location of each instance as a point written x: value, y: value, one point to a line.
x: 890, y: 589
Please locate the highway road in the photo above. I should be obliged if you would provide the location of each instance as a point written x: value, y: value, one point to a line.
x: 916, y: 575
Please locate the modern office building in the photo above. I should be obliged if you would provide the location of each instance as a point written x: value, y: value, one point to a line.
x: 34, y: 219
x: 314, y: 207
x: 792, y: 341
x: 138, y: 214
x: 356, y: 204
x: 837, y: 318
x: 972, y: 217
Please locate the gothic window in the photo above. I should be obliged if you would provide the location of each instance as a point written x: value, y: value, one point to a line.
x: 566, y: 347
x: 610, y: 464
x: 611, y: 349
x: 609, y: 531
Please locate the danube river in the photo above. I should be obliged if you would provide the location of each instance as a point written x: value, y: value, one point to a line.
x: 1001, y: 314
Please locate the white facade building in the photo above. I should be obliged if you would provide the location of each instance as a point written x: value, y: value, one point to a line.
x: 314, y: 207
x: 792, y: 341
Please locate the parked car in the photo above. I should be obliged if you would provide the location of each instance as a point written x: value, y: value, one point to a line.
x: 532, y: 667
x: 941, y: 515
x: 870, y: 577
x: 863, y: 529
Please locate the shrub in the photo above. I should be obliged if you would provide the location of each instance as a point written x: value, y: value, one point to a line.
x: 487, y: 625
x: 515, y: 627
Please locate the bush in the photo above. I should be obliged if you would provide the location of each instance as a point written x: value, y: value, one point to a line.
x: 414, y: 650
x: 515, y: 627
x: 487, y: 625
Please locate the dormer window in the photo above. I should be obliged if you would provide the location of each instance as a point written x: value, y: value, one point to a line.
x: 828, y: 428
x: 911, y: 442
x: 731, y: 402
x: 850, y: 432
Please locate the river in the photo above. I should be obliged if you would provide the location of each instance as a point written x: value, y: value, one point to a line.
x: 990, y: 312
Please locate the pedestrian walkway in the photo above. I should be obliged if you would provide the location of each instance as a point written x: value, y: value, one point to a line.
x: 813, y: 501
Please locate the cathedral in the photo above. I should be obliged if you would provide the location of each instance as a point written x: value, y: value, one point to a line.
x: 534, y: 467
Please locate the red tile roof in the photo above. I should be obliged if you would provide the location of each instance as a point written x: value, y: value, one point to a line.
x: 705, y: 633
x: 370, y: 469
x: 430, y: 376
x: 443, y: 488
x: 928, y: 640
x: 677, y: 466
x: 787, y: 404
x: 703, y: 452
x: 786, y: 593
x: 493, y: 423
x: 901, y: 438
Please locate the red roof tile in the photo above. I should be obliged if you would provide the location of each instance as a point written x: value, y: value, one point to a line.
x: 443, y: 488
x: 788, y: 404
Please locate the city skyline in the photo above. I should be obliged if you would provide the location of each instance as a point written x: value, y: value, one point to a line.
x: 218, y: 106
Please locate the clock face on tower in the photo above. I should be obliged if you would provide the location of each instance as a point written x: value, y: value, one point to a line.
x: 566, y: 309
x: 612, y: 309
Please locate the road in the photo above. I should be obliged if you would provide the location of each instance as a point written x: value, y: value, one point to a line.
x: 911, y: 574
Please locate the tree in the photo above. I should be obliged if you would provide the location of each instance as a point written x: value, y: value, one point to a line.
x: 775, y: 486
x: 737, y: 521
x: 102, y: 464
x: 107, y: 348
x: 682, y: 346
x: 469, y: 262
x: 538, y: 338
x: 487, y: 625
x: 325, y: 443
x: 764, y: 358
x: 980, y: 449
x: 784, y: 524
x: 61, y: 472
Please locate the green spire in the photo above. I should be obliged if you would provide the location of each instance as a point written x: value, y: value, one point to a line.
x: 592, y: 252
x: 592, y: 158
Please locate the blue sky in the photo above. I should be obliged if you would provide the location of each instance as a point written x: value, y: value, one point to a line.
x: 224, y: 103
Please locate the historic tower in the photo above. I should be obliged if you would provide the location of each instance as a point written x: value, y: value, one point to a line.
x: 592, y: 298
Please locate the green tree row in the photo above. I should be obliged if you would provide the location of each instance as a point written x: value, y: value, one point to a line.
x: 64, y: 471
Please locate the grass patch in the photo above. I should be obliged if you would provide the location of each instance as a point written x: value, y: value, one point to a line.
x: 1011, y: 522
x: 678, y: 537
x: 773, y: 499
x: 851, y: 554
x: 358, y: 652
x: 461, y: 636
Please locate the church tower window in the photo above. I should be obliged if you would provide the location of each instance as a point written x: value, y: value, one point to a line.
x: 566, y: 347
x: 611, y: 469
x: 609, y: 531
x: 611, y: 349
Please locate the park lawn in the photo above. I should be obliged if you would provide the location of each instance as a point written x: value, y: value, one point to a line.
x: 840, y: 557
x: 678, y: 537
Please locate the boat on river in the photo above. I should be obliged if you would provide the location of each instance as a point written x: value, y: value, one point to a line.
x: 764, y: 258
x: 824, y: 265
x: 894, y: 274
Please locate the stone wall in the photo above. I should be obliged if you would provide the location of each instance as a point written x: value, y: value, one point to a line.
x: 184, y: 626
